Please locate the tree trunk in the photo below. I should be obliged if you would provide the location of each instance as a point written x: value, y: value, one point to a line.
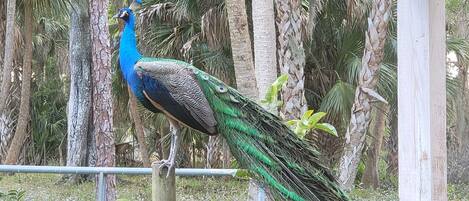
x: 241, y: 48
x: 368, y: 79
x: 9, y: 53
x: 370, y: 177
x: 139, y: 130
x: 265, y: 56
x: 2, y: 34
x: 393, y: 155
x: 213, y: 152
x: 102, y: 95
x: 24, y: 113
x: 291, y: 58
x: 226, y: 155
x: 79, y: 104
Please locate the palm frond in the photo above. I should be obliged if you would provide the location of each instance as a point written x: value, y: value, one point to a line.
x: 338, y: 102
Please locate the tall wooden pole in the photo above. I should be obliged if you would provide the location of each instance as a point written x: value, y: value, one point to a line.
x: 422, y: 100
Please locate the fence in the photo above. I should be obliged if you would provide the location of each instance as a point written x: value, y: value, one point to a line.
x: 103, y: 171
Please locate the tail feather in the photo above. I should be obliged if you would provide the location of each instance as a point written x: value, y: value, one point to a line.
x: 264, y: 145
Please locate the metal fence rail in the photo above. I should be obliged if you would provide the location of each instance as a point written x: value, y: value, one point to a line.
x: 103, y: 171
x: 113, y: 170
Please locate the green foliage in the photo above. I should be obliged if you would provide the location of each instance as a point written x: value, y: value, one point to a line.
x: 12, y: 195
x: 309, y: 122
x: 48, y: 117
x: 271, y: 101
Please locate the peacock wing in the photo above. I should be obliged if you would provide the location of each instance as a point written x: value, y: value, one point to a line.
x: 182, y: 86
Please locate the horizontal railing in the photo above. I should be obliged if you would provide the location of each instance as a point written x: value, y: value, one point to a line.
x: 186, y: 172
x: 103, y: 171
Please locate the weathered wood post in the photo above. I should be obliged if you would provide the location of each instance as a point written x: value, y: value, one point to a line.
x: 258, y: 192
x: 422, y: 100
x: 163, y: 185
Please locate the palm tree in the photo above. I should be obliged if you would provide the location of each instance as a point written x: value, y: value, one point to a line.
x: 241, y: 48
x: 24, y: 113
x: 9, y: 51
x: 370, y: 177
x: 291, y: 57
x: 265, y: 56
x: 365, y: 92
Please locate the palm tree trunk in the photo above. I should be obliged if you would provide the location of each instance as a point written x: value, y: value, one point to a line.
x: 392, y: 157
x: 370, y: 177
x: 9, y: 52
x: 291, y: 58
x: 241, y: 48
x: 2, y: 34
x: 265, y: 56
x: 213, y: 146
x: 79, y: 103
x: 368, y: 79
x: 139, y: 130
x: 24, y: 113
x: 102, y: 95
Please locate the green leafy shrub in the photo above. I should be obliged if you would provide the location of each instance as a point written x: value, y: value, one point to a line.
x: 308, y: 122
x: 12, y: 195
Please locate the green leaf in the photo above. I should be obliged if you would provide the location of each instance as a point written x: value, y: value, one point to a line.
x: 307, y: 114
x: 281, y: 80
x: 328, y: 128
x: 314, y: 119
x: 292, y: 122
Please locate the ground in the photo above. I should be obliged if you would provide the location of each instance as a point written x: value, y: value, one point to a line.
x: 43, y: 187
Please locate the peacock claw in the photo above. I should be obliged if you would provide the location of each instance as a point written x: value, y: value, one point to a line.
x: 167, y: 164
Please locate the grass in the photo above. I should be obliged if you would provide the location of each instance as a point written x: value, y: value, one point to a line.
x: 43, y: 187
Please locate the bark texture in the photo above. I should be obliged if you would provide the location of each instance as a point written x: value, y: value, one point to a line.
x: 291, y: 58
x: 79, y: 115
x: 2, y: 34
x: 365, y: 92
x: 213, y: 147
x: 102, y: 95
x: 241, y: 48
x: 8, y: 53
x: 370, y: 178
x: 393, y: 155
x: 265, y: 55
x: 24, y: 113
x: 139, y: 130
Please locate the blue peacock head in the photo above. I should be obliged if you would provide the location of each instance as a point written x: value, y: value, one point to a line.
x: 125, y: 14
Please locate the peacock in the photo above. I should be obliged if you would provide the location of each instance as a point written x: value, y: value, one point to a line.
x: 258, y: 140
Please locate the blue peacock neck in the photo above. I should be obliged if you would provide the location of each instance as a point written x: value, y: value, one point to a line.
x: 128, y: 52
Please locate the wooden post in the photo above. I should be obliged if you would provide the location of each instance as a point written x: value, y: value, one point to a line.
x: 163, y: 188
x: 422, y: 100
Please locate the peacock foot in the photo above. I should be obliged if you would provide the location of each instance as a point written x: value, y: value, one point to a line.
x: 168, y: 164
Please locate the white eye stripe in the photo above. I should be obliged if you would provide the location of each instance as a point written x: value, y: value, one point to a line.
x: 123, y: 14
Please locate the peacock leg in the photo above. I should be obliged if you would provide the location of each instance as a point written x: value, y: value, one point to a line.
x: 175, y: 130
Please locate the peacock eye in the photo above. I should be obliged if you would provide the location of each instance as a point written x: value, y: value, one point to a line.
x: 205, y: 77
x: 222, y: 89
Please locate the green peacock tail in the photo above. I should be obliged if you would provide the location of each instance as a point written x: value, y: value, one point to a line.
x: 264, y: 145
